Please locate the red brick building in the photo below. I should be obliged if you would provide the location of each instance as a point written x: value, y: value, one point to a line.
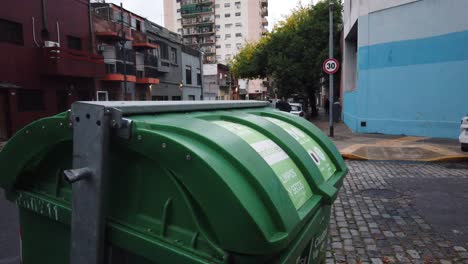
x: 47, y: 59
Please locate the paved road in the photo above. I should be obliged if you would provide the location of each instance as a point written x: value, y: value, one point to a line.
x: 9, y: 230
x: 395, y: 212
x: 387, y: 212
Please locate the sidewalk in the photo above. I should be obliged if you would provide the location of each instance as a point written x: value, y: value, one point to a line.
x: 389, y: 147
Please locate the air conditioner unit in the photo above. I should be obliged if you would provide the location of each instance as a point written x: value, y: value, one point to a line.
x: 51, y: 44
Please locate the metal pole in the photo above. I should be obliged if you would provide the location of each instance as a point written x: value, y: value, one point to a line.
x: 330, y: 93
x: 201, y: 73
x: 123, y: 41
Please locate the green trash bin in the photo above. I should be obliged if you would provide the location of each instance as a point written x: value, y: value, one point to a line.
x: 172, y: 182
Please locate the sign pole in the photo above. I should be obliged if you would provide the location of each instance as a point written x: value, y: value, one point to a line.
x: 330, y: 93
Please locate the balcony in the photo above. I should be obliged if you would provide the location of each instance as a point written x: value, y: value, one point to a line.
x: 197, y: 33
x: 190, y: 10
x: 141, y: 41
x: 199, y: 2
x: 74, y: 63
x: 115, y: 73
x: 264, y: 31
x: 198, y: 21
x: 107, y: 29
x: 264, y: 22
x: 264, y: 11
x: 148, y: 76
x: 264, y: 3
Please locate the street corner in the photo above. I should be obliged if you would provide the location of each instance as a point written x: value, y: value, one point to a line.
x: 396, y: 212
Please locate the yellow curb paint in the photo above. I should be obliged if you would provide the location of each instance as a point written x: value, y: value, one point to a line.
x: 398, y: 141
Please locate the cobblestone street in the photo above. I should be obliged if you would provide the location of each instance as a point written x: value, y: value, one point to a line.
x: 401, y: 212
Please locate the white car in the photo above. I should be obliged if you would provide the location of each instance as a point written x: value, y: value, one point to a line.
x: 296, y: 109
x: 464, y: 134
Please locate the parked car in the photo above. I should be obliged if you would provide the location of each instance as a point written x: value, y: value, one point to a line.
x: 296, y: 109
x: 464, y: 134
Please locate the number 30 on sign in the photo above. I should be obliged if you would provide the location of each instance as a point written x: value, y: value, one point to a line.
x: 331, y: 66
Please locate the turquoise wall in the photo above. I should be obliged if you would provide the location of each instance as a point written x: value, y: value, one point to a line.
x: 413, y: 87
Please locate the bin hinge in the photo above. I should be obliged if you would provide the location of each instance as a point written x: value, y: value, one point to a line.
x: 122, y: 126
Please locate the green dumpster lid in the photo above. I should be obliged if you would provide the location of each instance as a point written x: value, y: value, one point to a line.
x: 244, y: 176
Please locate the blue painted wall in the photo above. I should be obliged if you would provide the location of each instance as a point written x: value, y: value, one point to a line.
x: 409, y: 87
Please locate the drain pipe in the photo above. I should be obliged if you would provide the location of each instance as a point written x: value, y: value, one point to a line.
x: 34, y: 32
x: 58, y: 33
x: 45, y: 31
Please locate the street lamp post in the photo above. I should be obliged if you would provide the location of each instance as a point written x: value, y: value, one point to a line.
x: 330, y: 93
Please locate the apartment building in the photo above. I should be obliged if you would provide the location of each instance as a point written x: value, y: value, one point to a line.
x: 47, y: 62
x: 220, y: 28
x: 404, y: 66
x: 145, y: 64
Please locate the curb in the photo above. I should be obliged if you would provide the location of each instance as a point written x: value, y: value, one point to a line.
x: 350, y: 156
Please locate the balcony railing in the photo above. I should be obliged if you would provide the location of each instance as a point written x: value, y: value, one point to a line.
x: 116, y: 72
x: 68, y: 62
x: 195, y: 2
x: 195, y: 10
x: 140, y: 40
x: 110, y: 29
x: 264, y: 11
x: 151, y: 60
x: 264, y: 22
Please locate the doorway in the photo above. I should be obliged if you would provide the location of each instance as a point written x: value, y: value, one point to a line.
x: 3, y: 116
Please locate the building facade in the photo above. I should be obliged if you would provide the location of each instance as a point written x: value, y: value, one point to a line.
x: 47, y: 62
x: 146, y: 64
x: 218, y: 84
x: 404, y: 66
x: 191, y: 74
x: 220, y: 29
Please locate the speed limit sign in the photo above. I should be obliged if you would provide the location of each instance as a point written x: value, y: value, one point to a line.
x: 331, y: 65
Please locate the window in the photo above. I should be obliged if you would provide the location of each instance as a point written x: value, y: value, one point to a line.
x: 227, y: 15
x: 239, y: 24
x: 174, y: 55
x: 188, y: 74
x: 218, y: 36
x: 228, y: 25
x: 227, y: 5
x: 217, y: 6
x: 228, y: 46
x: 30, y: 100
x: 238, y: 35
x: 160, y: 98
x: 176, y: 98
x: 238, y: 46
x: 74, y: 43
x: 178, y: 10
x: 228, y: 56
x: 238, y: 13
x: 218, y: 57
x: 238, y: 5
x: 218, y: 46
x: 142, y: 97
x: 217, y: 16
x: 227, y: 36
x: 199, y: 79
x: 11, y: 32
x: 218, y: 26
x: 164, y: 51
x: 191, y: 97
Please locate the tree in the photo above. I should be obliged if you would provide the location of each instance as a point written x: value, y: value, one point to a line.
x: 293, y: 53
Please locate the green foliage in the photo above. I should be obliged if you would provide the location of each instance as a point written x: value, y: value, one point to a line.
x: 293, y: 53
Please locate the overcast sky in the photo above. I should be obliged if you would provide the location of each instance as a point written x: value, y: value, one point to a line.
x: 153, y: 9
